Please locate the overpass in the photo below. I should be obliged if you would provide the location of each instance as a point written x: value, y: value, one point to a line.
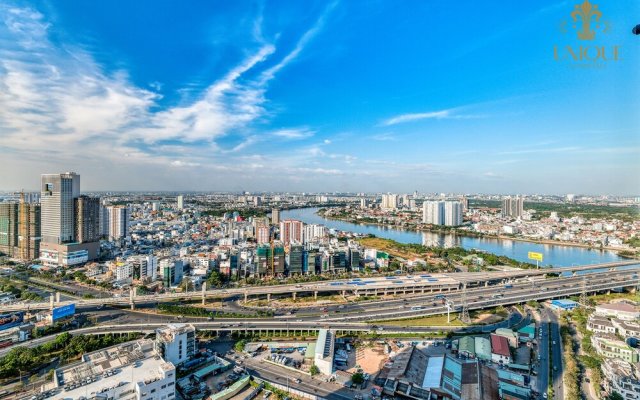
x: 391, y: 285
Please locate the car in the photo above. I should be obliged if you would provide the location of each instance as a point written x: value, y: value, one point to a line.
x: 544, y: 395
x: 298, y: 380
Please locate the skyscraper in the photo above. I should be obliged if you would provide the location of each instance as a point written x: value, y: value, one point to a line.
x: 87, y: 219
x: 291, y: 231
x: 180, y: 202
x: 115, y: 222
x: 58, y: 192
x: 389, y: 202
x: 452, y: 213
x: 8, y: 228
x: 275, y: 216
x: 513, y: 207
x: 433, y: 212
x: 69, y: 224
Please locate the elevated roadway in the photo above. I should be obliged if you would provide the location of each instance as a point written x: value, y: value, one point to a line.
x: 401, y: 284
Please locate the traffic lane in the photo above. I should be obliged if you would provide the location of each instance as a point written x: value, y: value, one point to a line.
x: 556, y: 353
x: 307, y: 384
x: 543, y: 351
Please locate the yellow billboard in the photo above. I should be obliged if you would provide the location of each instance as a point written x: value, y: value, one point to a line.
x: 535, y: 256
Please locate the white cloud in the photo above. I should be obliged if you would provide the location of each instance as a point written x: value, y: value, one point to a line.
x: 301, y: 133
x: 452, y: 113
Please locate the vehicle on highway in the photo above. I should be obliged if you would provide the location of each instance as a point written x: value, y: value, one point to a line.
x: 417, y: 308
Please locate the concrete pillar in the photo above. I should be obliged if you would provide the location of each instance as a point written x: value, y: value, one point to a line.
x: 204, y: 289
x: 486, y: 283
x: 268, y: 296
x: 246, y: 295
x: 131, y: 294
x: 57, y: 297
x: 294, y: 296
x: 315, y: 295
x: 51, y: 300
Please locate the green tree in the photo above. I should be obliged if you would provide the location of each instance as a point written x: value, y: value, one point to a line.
x: 314, y: 370
x: 615, y: 396
x: 239, y: 346
x: 215, y: 279
x: 357, y: 378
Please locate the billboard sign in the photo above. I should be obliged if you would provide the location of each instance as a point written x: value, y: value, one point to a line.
x: 535, y: 256
x: 64, y: 311
x: 11, y: 320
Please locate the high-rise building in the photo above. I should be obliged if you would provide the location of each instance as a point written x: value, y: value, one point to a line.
x: 513, y: 207
x: 275, y: 216
x: 29, y: 231
x: 363, y: 203
x: 263, y: 234
x: 452, y: 213
x: 87, y: 219
x: 68, y: 238
x: 433, y: 212
x: 20, y: 230
x: 115, y: 222
x: 294, y: 259
x: 389, y: 202
x: 313, y: 232
x: 257, y: 201
x: 9, y: 228
x: 180, y: 202
x: 465, y: 204
x: 58, y: 192
x: 291, y: 231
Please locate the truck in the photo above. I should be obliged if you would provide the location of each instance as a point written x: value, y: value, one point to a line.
x: 508, y: 286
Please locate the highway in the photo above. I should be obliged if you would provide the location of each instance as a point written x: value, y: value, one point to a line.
x: 418, y: 283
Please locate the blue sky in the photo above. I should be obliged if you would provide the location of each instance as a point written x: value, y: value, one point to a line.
x: 318, y: 96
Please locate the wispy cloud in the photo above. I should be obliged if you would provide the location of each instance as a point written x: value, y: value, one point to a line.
x: 452, y: 113
x: 294, y: 133
x: 54, y: 98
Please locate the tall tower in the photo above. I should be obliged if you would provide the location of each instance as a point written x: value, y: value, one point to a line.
x: 57, y: 194
x: 87, y: 219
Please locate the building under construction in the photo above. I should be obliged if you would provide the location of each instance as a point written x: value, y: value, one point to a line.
x: 20, y: 229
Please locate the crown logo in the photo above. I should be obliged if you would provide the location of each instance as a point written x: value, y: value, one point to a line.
x: 587, y: 13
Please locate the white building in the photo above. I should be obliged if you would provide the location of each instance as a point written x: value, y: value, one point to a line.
x: 622, y: 310
x: 129, y: 371
x: 144, y: 267
x: 180, y: 202
x: 115, y: 222
x: 452, y: 213
x: 176, y: 343
x: 389, y: 202
x: 314, y: 232
x: 325, y: 348
x: 621, y: 377
x: 433, y: 212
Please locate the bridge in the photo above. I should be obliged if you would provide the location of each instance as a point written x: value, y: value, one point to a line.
x: 392, y: 285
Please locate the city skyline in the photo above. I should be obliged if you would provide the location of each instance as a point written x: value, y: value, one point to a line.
x: 340, y: 96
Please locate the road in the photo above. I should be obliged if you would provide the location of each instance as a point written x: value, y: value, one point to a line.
x: 556, y: 355
x: 368, y: 286
x: 273, y: 373
x: 543, y: 351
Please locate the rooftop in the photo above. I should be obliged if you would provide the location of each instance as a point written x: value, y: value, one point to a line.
x: 500, y: 345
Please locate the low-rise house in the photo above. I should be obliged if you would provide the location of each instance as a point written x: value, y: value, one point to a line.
x: 622, y: 310
x: 612, y: 347
x: 600, y: 325
x: 621, y: 377
x: 500, y: 352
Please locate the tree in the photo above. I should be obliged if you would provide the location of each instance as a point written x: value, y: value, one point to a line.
x: 314, y: 370
x: 239, y: 346
x: 615, y: 396
x: 357, y: 378
x: 215, y: 279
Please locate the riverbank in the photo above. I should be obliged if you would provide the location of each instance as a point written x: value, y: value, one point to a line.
x: 465, y: 233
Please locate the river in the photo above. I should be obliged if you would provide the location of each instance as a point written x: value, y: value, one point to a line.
x: 556, y: 255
